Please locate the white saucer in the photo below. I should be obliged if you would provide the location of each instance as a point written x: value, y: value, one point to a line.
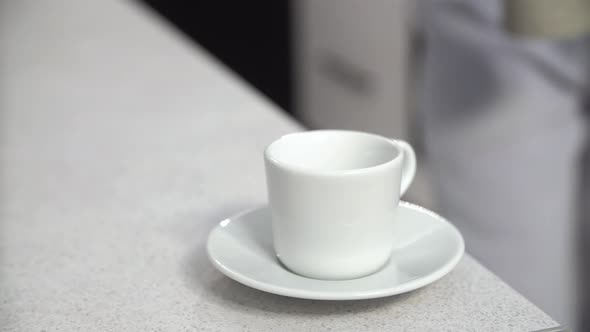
x: 427, y: 248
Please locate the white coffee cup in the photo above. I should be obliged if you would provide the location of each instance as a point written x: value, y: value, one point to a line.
x: 333, y: 196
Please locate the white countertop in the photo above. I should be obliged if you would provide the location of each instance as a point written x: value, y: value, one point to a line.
x: 121, y: 145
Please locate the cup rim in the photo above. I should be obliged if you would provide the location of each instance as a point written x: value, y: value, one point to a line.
x: 308, y: 171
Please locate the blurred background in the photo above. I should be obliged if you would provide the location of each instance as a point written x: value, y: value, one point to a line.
x: 493, y: 95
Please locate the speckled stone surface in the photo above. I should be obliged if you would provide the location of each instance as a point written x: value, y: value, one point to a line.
x: 121, y: 146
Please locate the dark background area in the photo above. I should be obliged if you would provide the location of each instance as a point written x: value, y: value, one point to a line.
x: 253, y: 38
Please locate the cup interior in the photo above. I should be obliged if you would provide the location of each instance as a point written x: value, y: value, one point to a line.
x: 332, y: 150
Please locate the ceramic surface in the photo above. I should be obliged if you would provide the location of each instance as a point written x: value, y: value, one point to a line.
x: 426, y: 248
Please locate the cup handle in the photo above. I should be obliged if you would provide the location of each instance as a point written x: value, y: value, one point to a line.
x: 408, y: 166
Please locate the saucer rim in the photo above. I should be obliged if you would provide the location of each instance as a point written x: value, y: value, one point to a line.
x: 345, y: 295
